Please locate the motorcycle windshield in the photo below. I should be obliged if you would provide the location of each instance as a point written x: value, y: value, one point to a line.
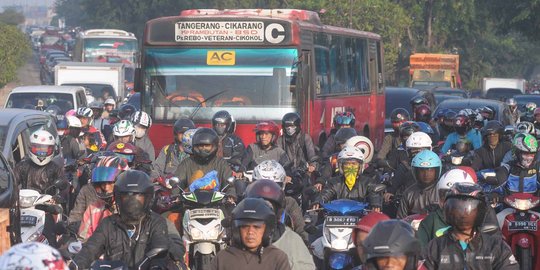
x: 345, y: 207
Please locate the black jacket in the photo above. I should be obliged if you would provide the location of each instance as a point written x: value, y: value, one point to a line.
x: 487, y: 158
x: 190, y: 170
x: 111, y: 239
x: 483, y: 252
x: 231, y: 149
x: 403, y: 178
x: 255, y: 155
x: 299, y: 148
x: 71, y: 148
x: 418, y: 200
x: 233, y: 258
x: 336, y: 189
x: 31, y: 176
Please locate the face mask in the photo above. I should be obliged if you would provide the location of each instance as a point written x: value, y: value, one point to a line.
x: 220, y: 130
x: 350, y: 172
x: 131, y: 209
x: 290, y: 130
x: 139, y: 132
x: 526, y: 160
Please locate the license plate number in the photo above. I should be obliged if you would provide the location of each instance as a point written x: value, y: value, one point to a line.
x: 341, y: 221
x: 522, y: 226
x: 28, y: 221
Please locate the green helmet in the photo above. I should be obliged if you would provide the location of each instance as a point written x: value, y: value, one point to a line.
x: 525, y: 143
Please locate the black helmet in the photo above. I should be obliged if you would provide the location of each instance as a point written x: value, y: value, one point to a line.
x: 493, y: 126
x: 399, y: 115
x: 418, y: 100
x: 390, y: 238
x: 126, y: 188
x: 408, y: 128
x: 268, y: 190
x: 343, y: 134
x: 290, y: 123
x: 223, y: 117
x: 182, y: 125
x: 125, y: 111
x: 469, y: 193
x: 204, y: 136
x: 249, y: 210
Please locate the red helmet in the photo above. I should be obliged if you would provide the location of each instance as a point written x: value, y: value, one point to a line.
x: 124, y: 150
x: 370, y: 220
x: 268, y: 126
x: 462, y: 120
x: 422, y: 113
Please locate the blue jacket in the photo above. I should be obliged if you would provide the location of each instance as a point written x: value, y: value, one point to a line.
x: 473, y: 135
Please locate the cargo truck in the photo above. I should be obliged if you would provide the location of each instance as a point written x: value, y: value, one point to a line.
x: 428, y: 71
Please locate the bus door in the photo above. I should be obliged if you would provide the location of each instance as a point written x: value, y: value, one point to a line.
x: 304, y: 89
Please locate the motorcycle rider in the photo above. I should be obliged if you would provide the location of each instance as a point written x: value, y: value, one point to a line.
x: 397, y: 155
x: 418, y: 198
x: 462, y: 155
x: 514, y: 111
x: 265, y: 148
x: 86, y: 115
x: 253, y: 224
x: 124, y: 134
x: 362, y: 229
x: 125, y: 111
x: 230, y: 147
x: 446, y: 122
x: 417, y: 101
x: 462, y: 125
x: 491, y: 154
x: 391, y: 245
x: 528, y: 115
x: 108, y: 106
x: 32, y: 255
x: 297, y: 144
x: 329, y: 166
x: 135, y: 230
x: 142, y: 122
x: 103, y: 178
x: 71, y: 145
x: 171, y: 155
x: 98, y: 122
x: 393, y: 141
x: 463, y: 245
x: 341, y: 120
x: 350, y: 183
x: 284, y: 237
x: 204, y: 160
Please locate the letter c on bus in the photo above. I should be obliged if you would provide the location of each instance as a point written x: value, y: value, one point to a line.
x: 275, y: 28
x: 227, y: 56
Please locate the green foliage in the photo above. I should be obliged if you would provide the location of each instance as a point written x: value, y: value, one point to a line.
x: 14, y: 50
x: 11, y: 17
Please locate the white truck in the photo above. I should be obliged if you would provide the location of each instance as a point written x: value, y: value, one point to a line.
x: 101, y: 80
x: 488, y: 83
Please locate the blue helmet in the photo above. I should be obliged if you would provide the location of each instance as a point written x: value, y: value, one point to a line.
x: 424, y: 127
x: 426, y: 159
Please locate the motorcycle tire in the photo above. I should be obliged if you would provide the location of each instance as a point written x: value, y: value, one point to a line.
x: 202, y: 261
x: 525, y: 258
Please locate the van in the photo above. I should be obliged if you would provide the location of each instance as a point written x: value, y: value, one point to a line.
x: 47, y: 97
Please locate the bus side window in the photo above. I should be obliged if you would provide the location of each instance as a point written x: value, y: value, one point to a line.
x: 322, y: 64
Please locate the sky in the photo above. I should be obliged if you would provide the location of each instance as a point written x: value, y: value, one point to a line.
x: 4, y: 3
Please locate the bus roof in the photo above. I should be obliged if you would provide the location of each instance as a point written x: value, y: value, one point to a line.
x: 99, y: 33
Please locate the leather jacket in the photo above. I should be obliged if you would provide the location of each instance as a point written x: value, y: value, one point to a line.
x: 31, y: 176
x: 336, y: 189
x: 487, y: 158
x: 417, y: 200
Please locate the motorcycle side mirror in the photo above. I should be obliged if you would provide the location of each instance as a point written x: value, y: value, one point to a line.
x: 230, y: 180
x: 173, y: 181
x: 154, y: 252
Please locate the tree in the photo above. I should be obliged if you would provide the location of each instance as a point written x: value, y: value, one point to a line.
x: 11, y: 16
x: 14, y: 50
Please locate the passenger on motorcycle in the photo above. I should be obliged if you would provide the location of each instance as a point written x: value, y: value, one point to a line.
x: 417, y: 101
x: 329, y: 166
x: 272, y: 170
x: 397, y: 155
x: 463, y: 127
x: 86, y: 115
x: 446, y: 122
x: 487, y: 112
x: 514, y: 111
x: 32, y: 255
x: 141, y: 123
x: 391, y: 245
x: 528, y: 115
x: 341, y: 120
x: 464, y: 245
x: 350, y: 183
x: 265, y: 148
x: 230, y: 147
x: 462, y: 155
x: 393, y: 140
x: 89, y: 142
x: 283, y: 237
x: 297, y: 144
x: 491, y: 154
x: 418, y: 198
x: 253, y: 224
x: 124, y: 134
x: 171, y: 155
x: 403, y: 177
x: 108, y: 106
x: 134, y: 231
x: 361, y: 231
x: 204, y: 160
x: 71, y: 145
x: 98, y: 122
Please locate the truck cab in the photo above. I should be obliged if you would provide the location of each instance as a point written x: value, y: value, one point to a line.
x: 429, y: 71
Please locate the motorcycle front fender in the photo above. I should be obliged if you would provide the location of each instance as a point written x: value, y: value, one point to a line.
x: 204, y: 248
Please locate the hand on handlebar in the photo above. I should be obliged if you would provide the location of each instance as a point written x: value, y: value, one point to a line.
x: 318, y: 187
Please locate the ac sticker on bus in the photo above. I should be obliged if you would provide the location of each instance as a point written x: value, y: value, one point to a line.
x: 221, y: 58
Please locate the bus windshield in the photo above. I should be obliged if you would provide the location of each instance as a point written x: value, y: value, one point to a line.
x: 110, y: 50
x: 252, y: 84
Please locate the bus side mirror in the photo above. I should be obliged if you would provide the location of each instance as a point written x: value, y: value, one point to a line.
x: 138, y: 80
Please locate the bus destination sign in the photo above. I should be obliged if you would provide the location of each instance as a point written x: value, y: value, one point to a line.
x: 229, y: 31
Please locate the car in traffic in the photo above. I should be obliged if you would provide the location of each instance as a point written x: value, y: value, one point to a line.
x: 450, y: 92
x: 502, y: 94
x: 522, y: 100
x: 502, y: 112
x: 400, y: 97
x: 440, y: 98
x: 43, y: 97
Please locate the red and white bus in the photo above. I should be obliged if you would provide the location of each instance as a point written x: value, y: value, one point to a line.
x: 259, y: 65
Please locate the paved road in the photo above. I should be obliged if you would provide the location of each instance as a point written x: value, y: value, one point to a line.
x: 26, y: 75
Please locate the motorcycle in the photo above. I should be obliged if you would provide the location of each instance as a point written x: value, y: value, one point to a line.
x: 146, y: 263
x: 519, y: 227
x: 336, y: 247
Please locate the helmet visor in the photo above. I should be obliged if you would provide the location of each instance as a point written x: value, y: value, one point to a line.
x: 104, y: 174
x: 41, y: 150
x: 129, y: 158
x: 246, y: 222
x: 461, y: 210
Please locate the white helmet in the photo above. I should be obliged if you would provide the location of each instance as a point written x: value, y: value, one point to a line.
x: 85, y: 112
x: 124, y: 128
x: 350, y: 152
x: 109, y: 101
x: 32, y: 255
x: 453, y: 176
x: 365, y: 145
x: 73, y: 122
x: 141, y: 118
x: 418, y: 139
x: 270, y: 170
x: 42, y: 144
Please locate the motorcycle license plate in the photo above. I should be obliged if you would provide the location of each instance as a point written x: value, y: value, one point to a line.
x: 28, y: 221
x: 341, y: 221
x: 522, y: 226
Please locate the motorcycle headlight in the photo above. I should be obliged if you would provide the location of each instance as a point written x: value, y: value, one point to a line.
x: 214, y: 232
x: 195, y: 233
x: 27, y: 201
